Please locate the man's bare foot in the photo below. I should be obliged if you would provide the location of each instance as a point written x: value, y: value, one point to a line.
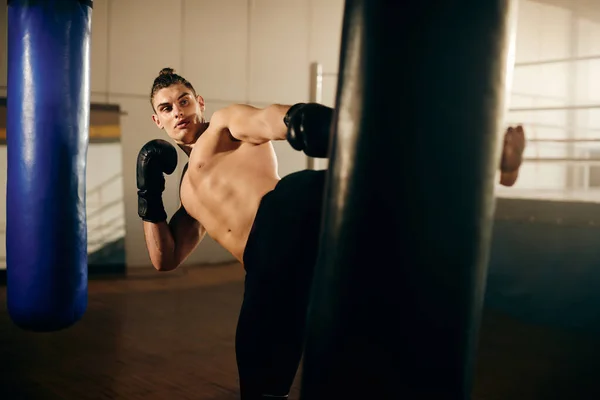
x: 512, y: 155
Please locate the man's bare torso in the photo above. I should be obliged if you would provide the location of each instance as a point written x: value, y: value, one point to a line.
x: 224, y: 184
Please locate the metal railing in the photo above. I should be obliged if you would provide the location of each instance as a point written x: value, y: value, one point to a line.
x: 104, y: 213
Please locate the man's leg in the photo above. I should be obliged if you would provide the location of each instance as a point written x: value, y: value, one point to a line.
x: 279, y: 261
x: 270, y: 336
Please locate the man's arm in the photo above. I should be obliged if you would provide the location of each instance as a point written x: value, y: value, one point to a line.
x: 306, y: 126
x: 252, y: 124
x: 170, y: 244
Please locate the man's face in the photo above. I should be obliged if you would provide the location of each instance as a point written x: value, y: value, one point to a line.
x: 179, y: 113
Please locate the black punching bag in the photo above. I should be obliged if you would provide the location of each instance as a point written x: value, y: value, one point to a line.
x: 398, y: 291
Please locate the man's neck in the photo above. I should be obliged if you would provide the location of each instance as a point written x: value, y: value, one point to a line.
x: 187, y: 148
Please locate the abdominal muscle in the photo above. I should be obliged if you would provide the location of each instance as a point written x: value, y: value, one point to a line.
x: 223, y: 193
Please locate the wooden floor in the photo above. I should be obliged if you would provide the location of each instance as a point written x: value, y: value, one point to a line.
x: 171, y: 336
x: 149, y: 336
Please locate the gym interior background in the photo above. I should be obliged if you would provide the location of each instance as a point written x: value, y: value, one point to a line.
x: 261, y: 51
x: 545, y: 260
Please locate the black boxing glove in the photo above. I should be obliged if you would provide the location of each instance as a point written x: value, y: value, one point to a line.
x: 308, y: 128
x: 155, y: 158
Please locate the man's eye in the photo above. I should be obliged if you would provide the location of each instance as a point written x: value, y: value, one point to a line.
x: 184, y: 102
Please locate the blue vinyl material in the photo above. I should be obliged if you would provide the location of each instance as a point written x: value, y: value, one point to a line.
x: 47, y: 136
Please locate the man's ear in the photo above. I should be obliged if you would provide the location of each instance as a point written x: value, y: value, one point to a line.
x: 200, y: 102
x: 157, y: 121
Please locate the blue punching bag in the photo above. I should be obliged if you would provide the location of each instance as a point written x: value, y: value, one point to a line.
x: 47, y: 134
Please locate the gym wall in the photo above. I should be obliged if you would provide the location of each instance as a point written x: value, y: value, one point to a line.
x: 233, y: 51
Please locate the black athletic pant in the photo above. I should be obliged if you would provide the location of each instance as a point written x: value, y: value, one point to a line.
x: 279, y: 259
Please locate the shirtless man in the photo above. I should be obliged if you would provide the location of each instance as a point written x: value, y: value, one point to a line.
x: 231, y: 191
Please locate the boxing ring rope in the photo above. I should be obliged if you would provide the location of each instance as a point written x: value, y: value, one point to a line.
x: 557, y: 61
x: 567, y: 160
x: 317, y: 75
x: 557, y: 108
x: 550, y: 140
